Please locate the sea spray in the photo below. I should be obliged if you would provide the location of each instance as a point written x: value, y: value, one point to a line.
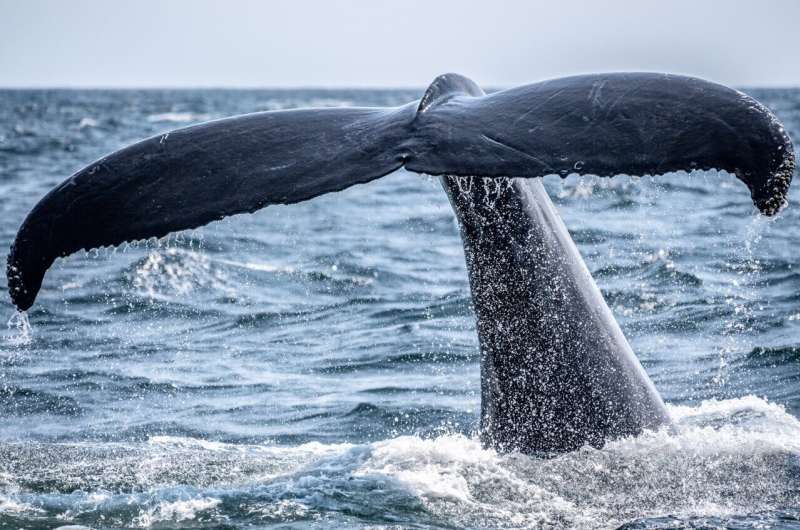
x: 741, y: 296
x: 20, y: 331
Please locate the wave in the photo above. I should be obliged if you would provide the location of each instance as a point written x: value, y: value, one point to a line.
x: 317, y: 102
x: 177, y: 117
x: 348, y: 318
x: 16, y: 401
x: 87, y: 122
x: 695, y: 470
x: 382, y: 362
x: 774, y: 356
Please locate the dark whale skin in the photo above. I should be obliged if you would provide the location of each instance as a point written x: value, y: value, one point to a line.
x: 556, y: 371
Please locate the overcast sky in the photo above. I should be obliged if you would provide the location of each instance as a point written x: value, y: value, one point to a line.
x: 390, y: 43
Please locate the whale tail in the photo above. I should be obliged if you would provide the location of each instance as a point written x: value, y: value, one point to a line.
x: 597, y: 124
x: 189, y: 177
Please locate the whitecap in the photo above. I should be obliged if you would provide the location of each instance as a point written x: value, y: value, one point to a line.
x: 87, y: 122
x: 177, y: 511
x: 177, y: 117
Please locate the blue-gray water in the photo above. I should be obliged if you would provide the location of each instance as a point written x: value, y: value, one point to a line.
x: 317, y: 366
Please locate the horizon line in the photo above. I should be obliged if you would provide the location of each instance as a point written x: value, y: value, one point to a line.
x: 209, y: 87
x: 331, y: 87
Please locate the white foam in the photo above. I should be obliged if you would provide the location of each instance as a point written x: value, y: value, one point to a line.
x: 177, y: 117
x: 259, y: 266
x: 10, y: 506
x: 292, y: 103
x: 697, y: 469
x: 722, y: 458
x: 310, y: 448
x: 87, y: 122
x: 177, y: 511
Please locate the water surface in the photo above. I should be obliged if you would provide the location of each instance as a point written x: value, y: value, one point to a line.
x: 316, y: 365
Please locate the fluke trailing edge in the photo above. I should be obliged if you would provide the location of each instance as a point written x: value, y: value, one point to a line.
x: 556, y: 370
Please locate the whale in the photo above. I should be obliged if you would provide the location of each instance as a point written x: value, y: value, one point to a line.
x: 557, y: 372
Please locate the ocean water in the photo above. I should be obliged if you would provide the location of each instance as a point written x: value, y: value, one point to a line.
x: 316, y: 365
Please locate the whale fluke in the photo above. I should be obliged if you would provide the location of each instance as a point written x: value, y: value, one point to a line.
x: 597, y: 124
x: 189, y: 177
x: 556, y: 370
x: 626, y: 123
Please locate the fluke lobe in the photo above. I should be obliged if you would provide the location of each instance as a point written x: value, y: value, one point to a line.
x: 556, y: 370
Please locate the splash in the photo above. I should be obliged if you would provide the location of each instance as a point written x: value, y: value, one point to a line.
x: 177, y: 511
x: 21, y: 332
x: 169, y: 272
x: 742, y: 297
x: 697, y: 469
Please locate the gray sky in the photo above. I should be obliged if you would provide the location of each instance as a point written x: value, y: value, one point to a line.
x: 390, y: 43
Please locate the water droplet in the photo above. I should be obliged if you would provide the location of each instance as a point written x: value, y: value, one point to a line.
x: 20, y: 328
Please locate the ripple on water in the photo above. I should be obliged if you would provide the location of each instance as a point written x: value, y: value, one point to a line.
x: 347, y: 318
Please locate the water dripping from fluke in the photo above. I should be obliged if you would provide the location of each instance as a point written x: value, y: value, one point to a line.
x: 20, y: 332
